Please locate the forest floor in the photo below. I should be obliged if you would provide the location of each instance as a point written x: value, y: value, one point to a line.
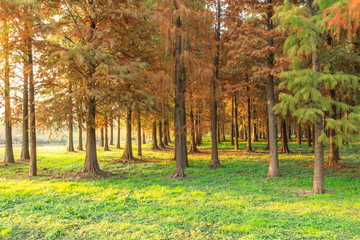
x: 141, y: 201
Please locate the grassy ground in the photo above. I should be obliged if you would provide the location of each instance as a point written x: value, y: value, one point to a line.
x: 141, y: 201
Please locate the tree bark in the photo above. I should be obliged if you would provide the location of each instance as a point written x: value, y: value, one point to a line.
x: 318, y: 184
x: 139, y: 152
x: 106, y: 140
x: 9, y: 154
x: 154, y: 144
x: 267, y: 147
x: 309, y: 137
x: 25, y: 154
x: 165, y: 133
x: 80, y: 129
x: 179, y: 102
x: 32, y: 165
x: 274, y: 170
x: 334, y: 155
x: 289, y: 130
x: 161, y: 142
x: 193, y: 148
x: 255, y: 134
x: 232, y: 122
x: 111, y: 131
x: 91, y: 163
x: 298, y: 135
x: 118, y: 134
x: 284, y: 142
x: 143, y: 138
x: 128, y: 154
x: 248, y: 145
x: 101, y: 143
x: 236, y: 130
x: 70, y: 147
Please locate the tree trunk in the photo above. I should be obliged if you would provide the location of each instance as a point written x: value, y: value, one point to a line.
x: 80, y: 129
x: 165, y: 133
x: 106, y: 140
x: 236, y: 130
x: 193, y: 148
x: 70, y: 147
x: 143, y: 138
x: 313, y: 137
x: 118, y: 134
x: 267, y: 147
x: 334, y: 155
x: 289, y: 130
x: 25, y: 154
x: 298, y: 135
x: 308, y: 133
x: 214, y: 148
x: 274, y: 170
x: 101, y: 143
x: 139, y: 152
x: 161, y: 142
x: 154, y: 144
x: 284, y: 142
x: 111, y: 132
x: 318, y: 185
x: 179, y: 101
x: 255, y: 137
x: 232, y: 122
x: 32, y: 165
x: 248, y: 145
x: 128, y: 154
x: 9, y: 154
x: 91, y: 163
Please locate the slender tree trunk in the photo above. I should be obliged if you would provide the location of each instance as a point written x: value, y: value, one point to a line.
x: 248, y: 146
x: 255, y: 136
x: 168, y: 131
x: 232, y: 122
x: 118, y: 134
x: 101, y: 144
x: 179, y: 101
x: 267, y: 147
x: 298, y: 135
x: 9, y: 154
x: 334, y: 155
x: 284, y: 143
x: 214, y: 148
x: 161, y: 142
x: 111, y: 131
x: 139, y: 152
x: 274, y: 170
x: 143, y: 138
x: 193, y: 148
x: 154, y: 144
x: 25, y: 154
x: 106, y: 140
x: 318, y: 184
x: 313, y: 137
x: 80, y: 129
x: 32, y: 165
x: 165, y: 133
x: 236, y: 130
x: 128, y: 154
x: 70, y: 147
x: 309, y: 137
x: 91, y: 163
x: 289, y: 130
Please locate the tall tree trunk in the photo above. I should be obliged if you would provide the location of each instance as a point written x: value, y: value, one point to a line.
x: 143, y: 138
x: 255, y: 134
x: 198, y: 130
x: 318, y: 184
x: 118, y: 134
x: 193, y: 148
x: 168, y: 132
x: 106, y: 140
x: 232, y: 121
x: 9, y: 154
x: 289, y: 130
x: 101, y: 143
x: 111, y: 131
x: 128, y: 154
x: 334, y: 155
x: 236, y: 130
x: 32, y: 165
x: 284, y: 142
x: 274, y: 170
x: 154, y: 144
x: 25, y: 154
x: 161, y: 142
x: 267, y: 147
x: 80, y: 129
x: 165, y: 133
x: 298, y: 135
x: 70, y: 147
x: 179, y: 102
x: 248, y: 145
x: 139, y: 152
x: 91, y: 163
x: 309, y: 137
x: 313, y: 137
x: 214, y: 148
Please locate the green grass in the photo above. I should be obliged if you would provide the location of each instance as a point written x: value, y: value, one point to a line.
x: 141, y: 201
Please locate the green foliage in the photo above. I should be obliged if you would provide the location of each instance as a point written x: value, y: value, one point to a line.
x: 140, y: 201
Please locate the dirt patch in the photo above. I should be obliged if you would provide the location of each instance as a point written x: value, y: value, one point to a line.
x: 338, y: 167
